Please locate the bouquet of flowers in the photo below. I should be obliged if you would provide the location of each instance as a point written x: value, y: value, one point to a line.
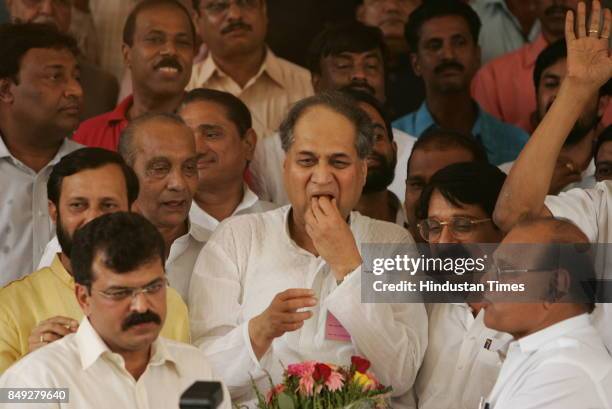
x: 315, y: 385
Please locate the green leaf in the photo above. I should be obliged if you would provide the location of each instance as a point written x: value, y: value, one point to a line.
x: 285, y: 401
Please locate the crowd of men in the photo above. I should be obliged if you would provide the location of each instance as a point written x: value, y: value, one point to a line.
x: 201, y: 215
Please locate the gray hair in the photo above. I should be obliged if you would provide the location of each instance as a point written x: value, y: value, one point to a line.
x: 339, y: 103
x: 126, y: 140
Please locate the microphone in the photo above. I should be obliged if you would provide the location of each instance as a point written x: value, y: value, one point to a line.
x: 202, y: 395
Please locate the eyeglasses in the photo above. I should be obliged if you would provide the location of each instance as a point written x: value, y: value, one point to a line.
x: 460, y: 227
x: 218, y: 7
x: 603, y: 170
x: 121, y: 294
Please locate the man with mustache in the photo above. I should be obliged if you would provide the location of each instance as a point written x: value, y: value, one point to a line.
x: 239, y: 62
x: 85, y: 184
x: 503, y: 86
x: 405, y: 91
x: 158, y: 49
x: 100, y: 88
x: 161, y: 149
x: 116, y: 358
x: 345, y: 56
x: 257, y: 302
x: 40, y: 101
x: 575, y: 166
x: 443, y: 38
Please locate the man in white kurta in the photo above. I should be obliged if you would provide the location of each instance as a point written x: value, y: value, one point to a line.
x: 284, y: 286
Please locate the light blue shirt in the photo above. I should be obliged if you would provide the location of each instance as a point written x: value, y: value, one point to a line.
x: 501, y: 31
x: 502, y: 142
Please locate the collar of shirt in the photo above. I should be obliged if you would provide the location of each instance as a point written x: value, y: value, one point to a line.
x: 180, y: 244
x: 423, y: 120
x: 120, y: 112
x: 537, y: 340
x: 249, y: 199
x: 500, y: 5
x: 271, y: 66
x: 65, y: 148
x: 61, y: 273
x: 91, y: 347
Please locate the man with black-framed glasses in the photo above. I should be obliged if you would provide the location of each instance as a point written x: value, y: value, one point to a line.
x: 239, y: 61
x: 116, y: 358
x: 462, y: 360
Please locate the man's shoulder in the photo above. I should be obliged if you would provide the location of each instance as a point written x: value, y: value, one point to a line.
x: 369, y: 230
x: 266, y: 219
x: 503, y: 128
x: 28, y: 286
x: 405, y: 123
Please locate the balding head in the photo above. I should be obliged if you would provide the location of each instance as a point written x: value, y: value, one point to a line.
x: 546, y: 230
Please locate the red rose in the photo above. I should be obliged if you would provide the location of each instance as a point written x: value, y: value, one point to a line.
x: 321, y: 372
x: 360, y: 364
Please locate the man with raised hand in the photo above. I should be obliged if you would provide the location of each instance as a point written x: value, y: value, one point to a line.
x: 524, y: 195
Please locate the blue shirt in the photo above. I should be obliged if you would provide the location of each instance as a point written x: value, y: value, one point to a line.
x: 502, y: 142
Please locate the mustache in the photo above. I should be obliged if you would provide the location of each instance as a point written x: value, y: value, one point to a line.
x: 169, y: 62
x: 235, y: 26
x: 140, y: 318
x: 448, y: 64
x: 380, y: 158
x: 362, y: 86
x: 556, y: 9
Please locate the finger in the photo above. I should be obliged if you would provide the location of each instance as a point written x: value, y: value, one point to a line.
x: 605, y: 31
x: 292, y: 327
x: 292, y: 318
x: 309, y: 217
x: 570, y: 35
x: 295, y: 293
x: 595, y: 19
x: 316, y: 209
x: 68, y: 322
x: 581, y: 12
x: 60, y: 330
x: 297, y: 303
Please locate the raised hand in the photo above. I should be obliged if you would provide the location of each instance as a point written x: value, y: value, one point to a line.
x: 588, y: 54
x: 281, y: 316
x: 332, y: 237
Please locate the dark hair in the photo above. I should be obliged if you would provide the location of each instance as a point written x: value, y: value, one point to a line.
x: 439, y: 8
x: 126, y: 139
x: 352, y: 37
x: 236, y: 110
x: 339, y: 103
x: 126, y: 241
x: 471, y: 183
x: 604, y: 136
x: 130, y: 22
x: 369, y: 99
x: 89, y: 158
x: 443, y: 139
x: 17, y: 39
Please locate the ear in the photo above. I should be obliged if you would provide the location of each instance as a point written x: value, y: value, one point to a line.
x: 125, y: 50
x: 316, y: 83
x: 83, y: 298
x: 364, y: 172
x: 394, y: 146
x: 359, y: 13
x: 249, y: 142
x: 52, y: 211
x: 602, y: 106
x: 416, y: 66
x: 6, y: 94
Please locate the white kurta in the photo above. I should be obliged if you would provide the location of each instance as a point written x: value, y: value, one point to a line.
x: 251, y: 258
x: 96, y: 377
x: 564, y: 366
x: 462, y: 360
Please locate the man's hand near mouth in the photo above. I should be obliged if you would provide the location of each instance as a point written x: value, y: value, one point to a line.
x: 332, y: 236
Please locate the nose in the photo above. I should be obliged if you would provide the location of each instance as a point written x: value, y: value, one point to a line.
x: 446, y: 236
x: 176, y: 180
x: 140, y: 303
x: 234, y: 12
x: 169, y: 48
x: 74, y: 88
x: 322, y: 174
x: 448, y: 53
x: 46, y: 7
x: 358, y: 73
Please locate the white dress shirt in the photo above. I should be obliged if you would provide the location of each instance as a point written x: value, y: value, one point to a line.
x: 564, y: 366
x: 179, y: 264
x: 267, y: 167
x: 250, y: 204
x: 241, y: 269
x: 25, y: 226
x: 97, y: 378
x: 269, y: 94
x: 588, y: 209
x: 462, y: 360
